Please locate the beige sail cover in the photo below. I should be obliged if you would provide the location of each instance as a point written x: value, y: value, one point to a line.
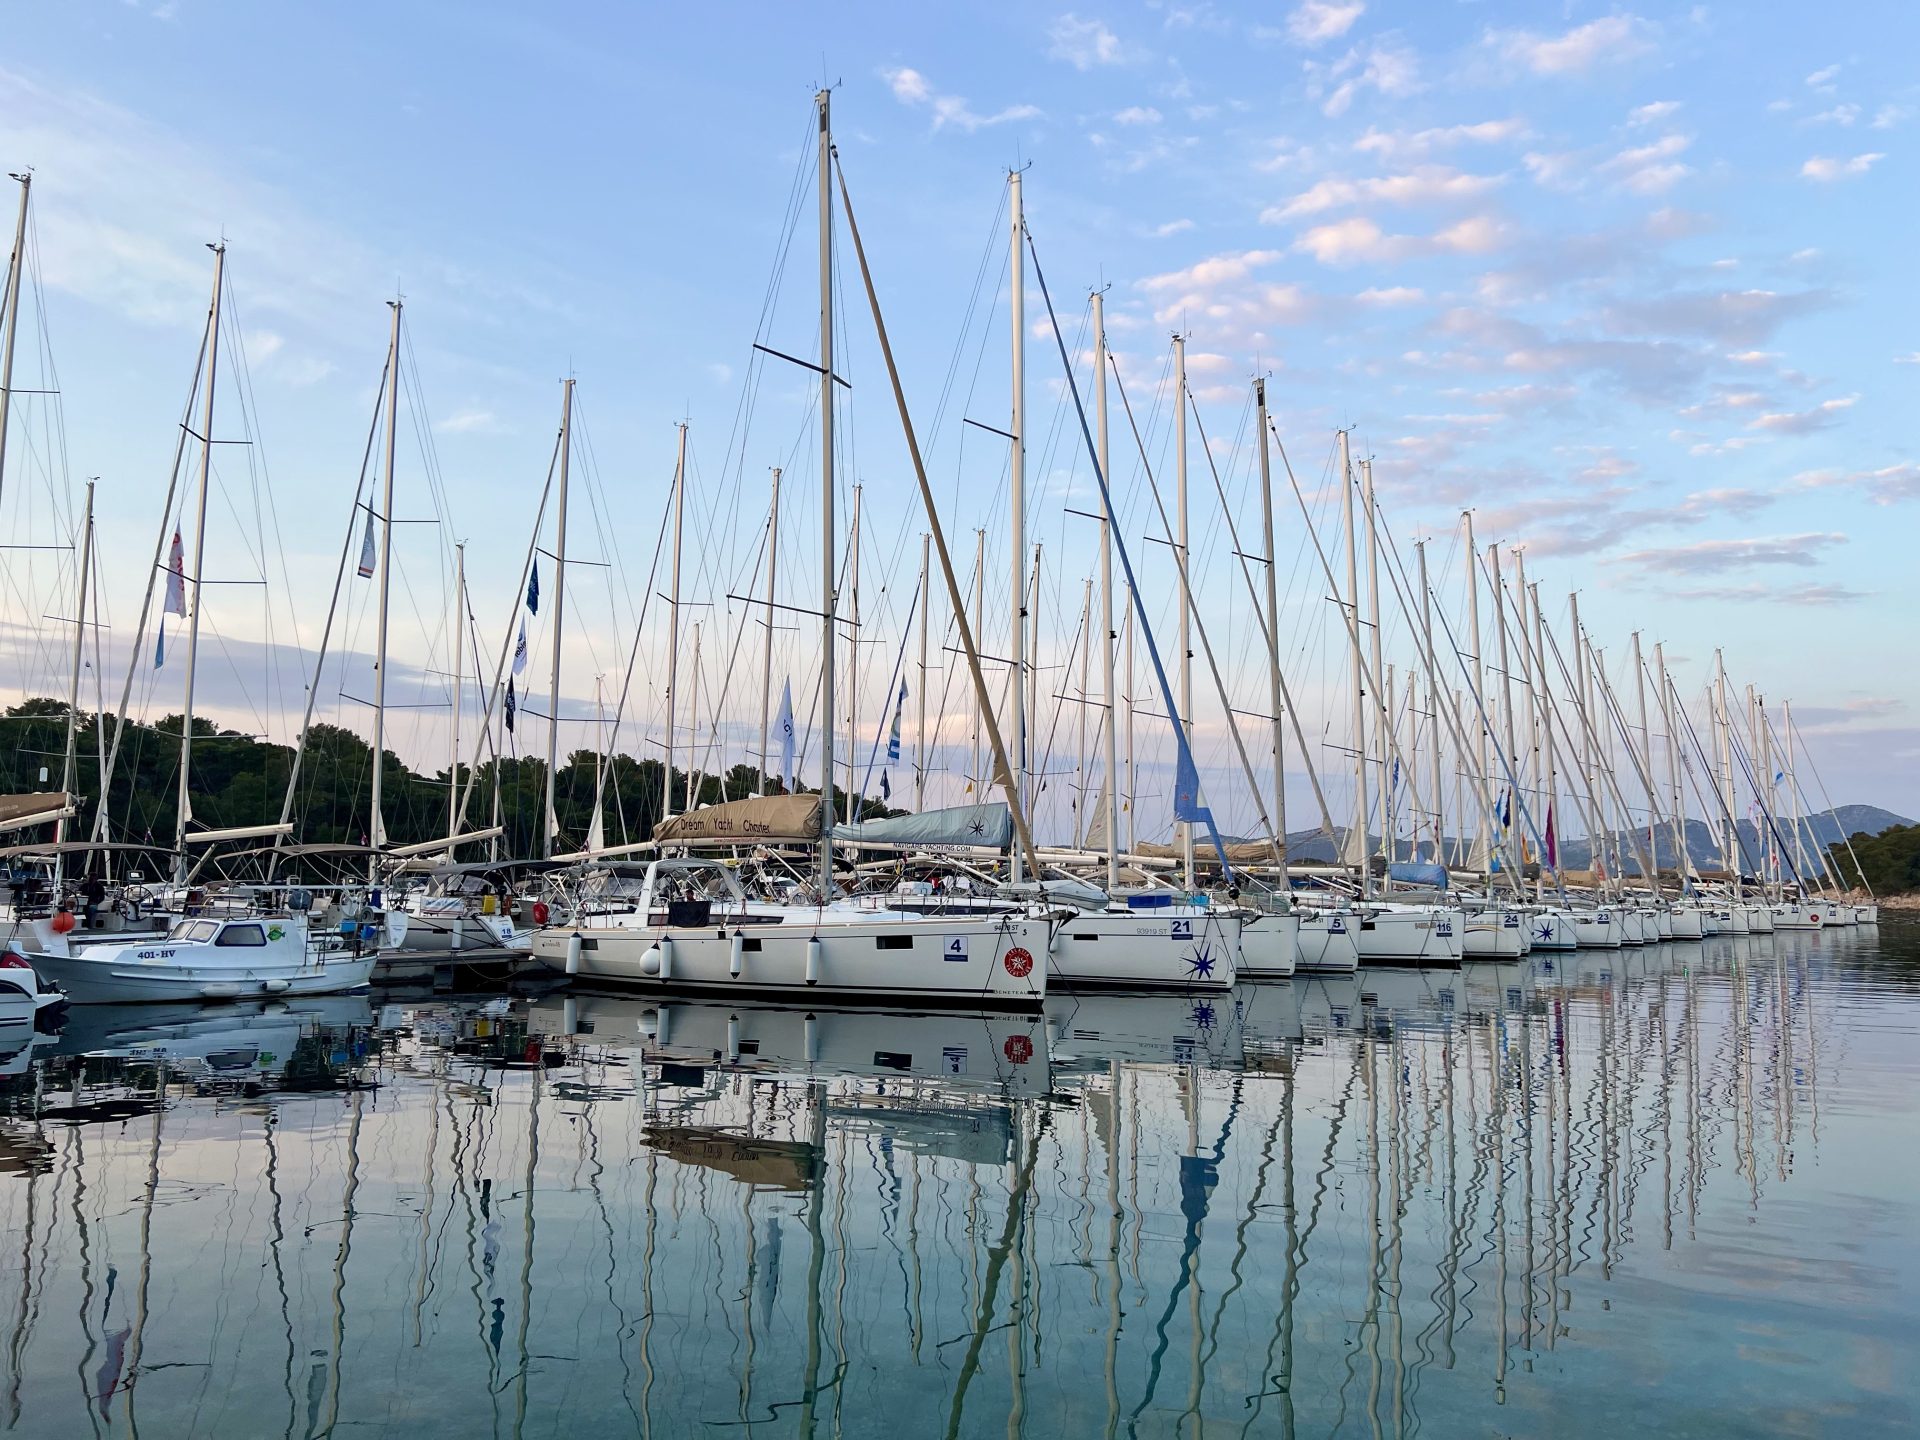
x: 744, y: 822
x: 16, y: 807
x: 1240, y: 852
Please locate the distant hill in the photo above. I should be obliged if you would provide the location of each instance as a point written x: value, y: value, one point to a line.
x: 1829, y: 827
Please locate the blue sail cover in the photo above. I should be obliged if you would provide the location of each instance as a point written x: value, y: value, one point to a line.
x: 1409, y: 872
x: 980, y: 826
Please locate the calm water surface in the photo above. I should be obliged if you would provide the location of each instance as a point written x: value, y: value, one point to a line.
x: 1670, y: 1191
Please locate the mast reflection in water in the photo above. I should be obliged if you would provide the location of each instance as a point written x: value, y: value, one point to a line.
x: 1643, y: 1192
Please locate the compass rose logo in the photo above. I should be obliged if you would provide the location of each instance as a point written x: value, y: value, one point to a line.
x: 1200, y: 963
x: 1544, y: 934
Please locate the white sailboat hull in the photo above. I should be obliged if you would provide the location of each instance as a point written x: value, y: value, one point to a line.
x: 1269, y: 946
x: 1495, y: 935
x: 1597, y: 930
x: 994, y: 961
x: 1326, y: 943
x: 1181, y: 948
x: 1425, y: 935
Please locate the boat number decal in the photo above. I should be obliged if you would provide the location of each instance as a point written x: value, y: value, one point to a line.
x: 953, y: 1059
x: 1018, y: 962
x: 274, y: 932
x: 1183, y: 929
x: 1336, y: 927
x: 956, y: 948
x: 1019, y: 1048
x: 153, y: 955
x: 1443, y: 928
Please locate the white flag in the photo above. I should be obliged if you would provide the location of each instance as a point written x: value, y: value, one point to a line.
x: 176, y: 580
x: 786, y: 735
x: 368, y: 555
x: 520, y: 648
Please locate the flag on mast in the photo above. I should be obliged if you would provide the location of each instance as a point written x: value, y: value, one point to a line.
x: 511, y: 707
x: 368, y: 555
x: 893, y: 735
x: 533, y: 588
x: 1553, y: 843
x: 786, y: 735
x: 176, y: 580
x: 520, y: 648
x: 160, y: 643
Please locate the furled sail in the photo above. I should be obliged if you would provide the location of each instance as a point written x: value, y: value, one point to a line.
x: 752, y: 821
x: 20, y: 811
x: 979, y: 826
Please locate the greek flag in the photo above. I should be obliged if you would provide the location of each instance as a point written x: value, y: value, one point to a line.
x: 893, y: 736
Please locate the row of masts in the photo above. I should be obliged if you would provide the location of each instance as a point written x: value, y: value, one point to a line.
x: 1470, y: 717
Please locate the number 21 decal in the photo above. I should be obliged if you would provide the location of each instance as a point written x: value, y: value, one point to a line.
x: 1183, y: 929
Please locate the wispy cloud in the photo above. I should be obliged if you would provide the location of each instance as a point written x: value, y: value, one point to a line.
x: 1358, y: 239
x: 1401, y: 145
x: 1137, y: 115
x: 910, y: 87
x: 1083, y: 44
x: 1653, y: 112
x: 1317, y: 21
x: 1825, y: 168
x: 1773, y: 594
x: 1425, y: 184
x: 1605, y: 41
x: 470, y: 421
x: 1710, y: 557
x: 1650, y: 169
x: 1823, y: 416
x: 1888, y: 485
x: 1386, y: 69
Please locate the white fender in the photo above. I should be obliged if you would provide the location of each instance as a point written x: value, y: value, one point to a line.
x: 738, y: 949
x: 666, y: 957
x: 573, y: 953
x: 813, y: 961
x: 650, y: 962
x: 733, y: 1037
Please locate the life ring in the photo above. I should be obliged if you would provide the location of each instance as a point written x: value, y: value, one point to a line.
x: 540, y: 912
x: 1018, y: 1049
x: 1019, y: 963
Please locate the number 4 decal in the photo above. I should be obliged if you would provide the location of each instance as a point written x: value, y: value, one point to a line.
x: 956, y: 948
x: 1183, y: 929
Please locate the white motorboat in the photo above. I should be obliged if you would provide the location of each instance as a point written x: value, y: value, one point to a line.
x: 213, y: 958
x: 24, y: 997
x: 692, y: 928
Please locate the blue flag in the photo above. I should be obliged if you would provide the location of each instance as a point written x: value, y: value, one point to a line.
x: 510, y: 705
x: 160, y: 643
x: 886, y: 789
x: 533, y: 589
x: 893, y: 736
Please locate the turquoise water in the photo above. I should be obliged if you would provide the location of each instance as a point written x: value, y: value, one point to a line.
x: 1667, y: 1192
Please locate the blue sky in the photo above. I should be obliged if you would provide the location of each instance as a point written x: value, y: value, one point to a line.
x: 1635, y: 283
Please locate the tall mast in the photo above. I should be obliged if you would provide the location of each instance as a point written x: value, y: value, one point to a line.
x: 979, y: 619
x: 1549, y: 757
x: 1186, y: 595
x: 1646, y: 742
x: 1033, y: 645
x: 828, y: 570
x: 1793, y: 794
x: 766, y: 649
x: 1383, y: 722
x: 1356, y: 844
x: 1084, y: 815
x: 1274, y: 695
x: 376, y: 822
x: 1017, y: 502
x: 183, y: 808
x: 693, y: 727
x: 16, y: 282
x: 68, y: 772
x: 1757, y: 724
x: 920, y: 724
x: 559, y: 613
x: 459, y: 639
x: 1582, y: 744
x: 673, y: 620
x: 1725, y: 745
x: 1108, y: 739
x: 1479, y: 678
x: 1126, y: 701
x: 1433, y: 699
x: 1682, y: 861
x: 1510, y: 759
x: 853, y: 662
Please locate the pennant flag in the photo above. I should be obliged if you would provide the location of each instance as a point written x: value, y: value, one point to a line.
x: 368, y: 556
x: 160, y: 643
x: 886, y: 789
x: 176, y: 580
x: 520, y: 648
x: 533, y: 589
x: 786, y: 735
x: 893, y: 736
x: 1394, y: 787
x: 1778, y: 776
x: 511, y: 707
x: 1553, y: 842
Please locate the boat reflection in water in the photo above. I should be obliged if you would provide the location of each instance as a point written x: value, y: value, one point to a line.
x: 1367, y: 1204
